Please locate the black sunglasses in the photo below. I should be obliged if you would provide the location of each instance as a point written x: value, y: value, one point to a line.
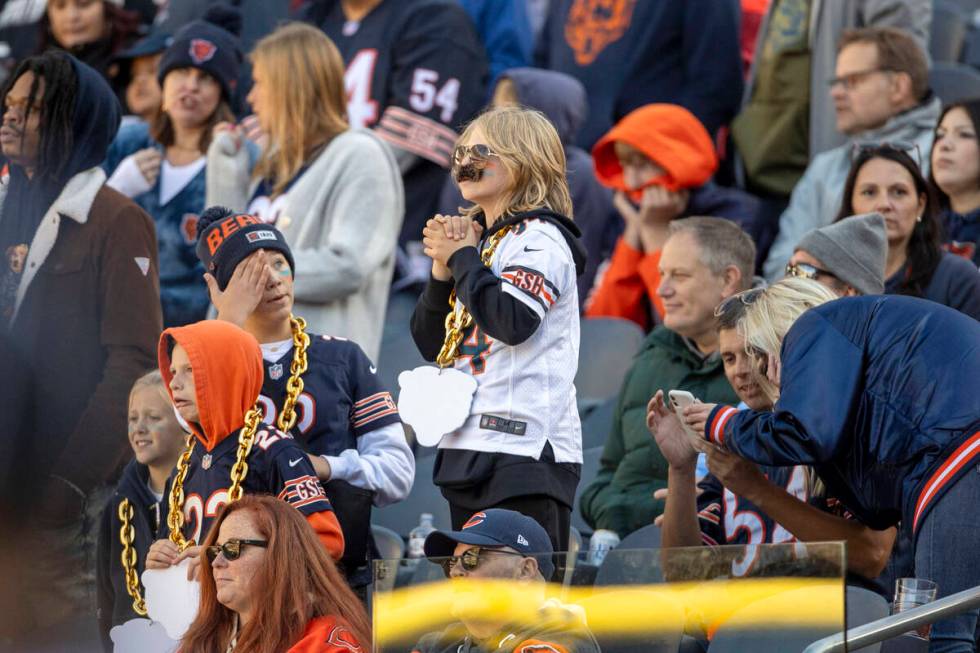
x: 232, y: 549
x: 806, y: 271
x: 747, y: 297
x: 479, y: 153
x: 471, y: 559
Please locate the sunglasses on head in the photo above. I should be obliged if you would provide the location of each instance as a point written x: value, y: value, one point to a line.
x: 478, y: 153
x: 806, y: 271
x: 231, y: 549
x: 470, y: 559
x: 908, y: 148
x: 747, y: 297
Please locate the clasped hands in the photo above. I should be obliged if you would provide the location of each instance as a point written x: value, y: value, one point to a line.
x: 444, y: 235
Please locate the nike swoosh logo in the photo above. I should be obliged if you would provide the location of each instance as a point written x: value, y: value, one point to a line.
x: 531, y: 249
x: 373, y: 369
x: 293, y: 463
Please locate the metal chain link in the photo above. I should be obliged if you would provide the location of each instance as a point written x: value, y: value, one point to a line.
x: 126, y: 536
x: 245, y: 439
x: 175, y: 518
x: 294, y: 386
x: 458, y: 321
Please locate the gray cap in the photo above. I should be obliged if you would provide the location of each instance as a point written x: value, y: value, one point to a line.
x: 853, y: 250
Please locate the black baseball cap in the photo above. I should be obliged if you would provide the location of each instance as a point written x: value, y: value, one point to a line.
x: 494, y: 528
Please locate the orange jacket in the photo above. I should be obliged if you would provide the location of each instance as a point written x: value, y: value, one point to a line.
x: 326, y: 635
x: 631, y: 278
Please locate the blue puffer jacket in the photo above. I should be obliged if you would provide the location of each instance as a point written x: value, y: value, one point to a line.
x: 879, y: 393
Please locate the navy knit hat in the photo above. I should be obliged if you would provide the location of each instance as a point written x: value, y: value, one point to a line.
x: 225, y: 239
x: 494, y: 528
x: 210, y: 44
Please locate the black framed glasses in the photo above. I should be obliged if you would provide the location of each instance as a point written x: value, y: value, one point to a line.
x: 746, y: 297
x: 232, y: 549
x: 806, y: 271
x: 478, y: 153
x: 850, y: 81
x: 871, y: 148
x: 470, y: 559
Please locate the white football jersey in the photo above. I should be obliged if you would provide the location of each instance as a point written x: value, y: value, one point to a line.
x: 525, y: 394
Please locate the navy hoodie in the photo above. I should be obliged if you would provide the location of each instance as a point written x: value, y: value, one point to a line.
x: 562, y: 99
x: 114, y: 603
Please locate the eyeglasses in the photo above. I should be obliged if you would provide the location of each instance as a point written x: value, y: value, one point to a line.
x: 850, y: 80
x: 478, y: 153
x: 806, y: 271
x: 232, y: 549
x: 471, y: 559
x: 746, y: 297
x: 873, y: 148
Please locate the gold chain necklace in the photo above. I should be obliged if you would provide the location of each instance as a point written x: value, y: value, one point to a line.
x: 458, y: 321
x: 126, y: 535
x: 286, y: 421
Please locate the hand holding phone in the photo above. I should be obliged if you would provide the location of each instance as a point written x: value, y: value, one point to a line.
x: 679, y: 400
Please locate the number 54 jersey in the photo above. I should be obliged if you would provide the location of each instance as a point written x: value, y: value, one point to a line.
x: 416, y: 71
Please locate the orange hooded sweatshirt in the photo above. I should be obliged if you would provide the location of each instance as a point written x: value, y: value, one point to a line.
x: 673, y: 138
x: 226, y: 364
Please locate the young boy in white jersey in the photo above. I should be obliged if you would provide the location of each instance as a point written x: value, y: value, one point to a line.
x: 507, y: 269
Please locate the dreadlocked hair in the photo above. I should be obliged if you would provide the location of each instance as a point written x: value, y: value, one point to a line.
x: 57, y: 102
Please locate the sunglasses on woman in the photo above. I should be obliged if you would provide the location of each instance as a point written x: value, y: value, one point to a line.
x: 232, y: 549
x: 806, y: 271
x: 478, y: 153
x: 471, y: 559
x: 907, y: 148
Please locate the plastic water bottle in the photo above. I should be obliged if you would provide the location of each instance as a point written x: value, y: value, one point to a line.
x: 600, y: 544
x: 416, y: 538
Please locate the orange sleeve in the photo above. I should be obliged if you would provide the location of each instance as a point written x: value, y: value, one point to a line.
x: 620, y: 294
x: 650, y: 273
x: 328, y: 530
x: 324, y: 635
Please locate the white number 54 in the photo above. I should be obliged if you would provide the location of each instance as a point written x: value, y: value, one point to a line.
x: 424, y: 94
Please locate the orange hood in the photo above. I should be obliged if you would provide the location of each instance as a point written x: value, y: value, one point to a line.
x: 667, y: 134
x: 227, y: 368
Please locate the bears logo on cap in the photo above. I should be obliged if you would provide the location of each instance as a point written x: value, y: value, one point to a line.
x: 202, y: 50
x: 475, y: 520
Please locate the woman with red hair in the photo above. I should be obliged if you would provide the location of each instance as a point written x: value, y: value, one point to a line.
x: 270, y: 586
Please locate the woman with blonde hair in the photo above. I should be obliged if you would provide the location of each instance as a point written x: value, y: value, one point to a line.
x: 268, y: 586
x: 506, y: 269
x: 878, y: 393
x: 334, y: 192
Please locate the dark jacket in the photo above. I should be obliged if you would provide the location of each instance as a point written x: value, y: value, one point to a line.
x: 962, y: 233
x: 87, y: 314
x: 621, y: 496
x: 562, y: 99
x: 879, y: 394
x: 636, y: 53
x: 955, y: 283
x: 115, y: 605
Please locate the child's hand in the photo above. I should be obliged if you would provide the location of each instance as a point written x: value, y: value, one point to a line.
x: 194, y: 553
x: 244, y: 290
x: 162, y: 554
x: 443, y: 236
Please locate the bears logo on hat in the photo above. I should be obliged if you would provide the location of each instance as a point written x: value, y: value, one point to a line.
x: 202, y: 50
x: 475, y: 520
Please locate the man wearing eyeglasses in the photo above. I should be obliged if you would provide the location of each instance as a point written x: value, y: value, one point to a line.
x: 504, y: 545
x: 881, y: 94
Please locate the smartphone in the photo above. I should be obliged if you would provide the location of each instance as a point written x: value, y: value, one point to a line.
x: 680, y: 399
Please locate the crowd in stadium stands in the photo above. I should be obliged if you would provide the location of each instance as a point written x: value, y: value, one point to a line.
x: 226, y: 228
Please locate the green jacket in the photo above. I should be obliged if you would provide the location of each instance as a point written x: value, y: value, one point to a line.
x: 621, y: 496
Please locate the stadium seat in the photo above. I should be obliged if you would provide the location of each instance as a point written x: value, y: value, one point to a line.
x: 903, y: 644
x: 398, y: 353
x: 967, y: 7
x: 865, y: 606
x: 948, y: 33
x: 597, y: 423
x: 606, y: 351
x: 390, y: 544
x: 632, y: 555
x: 590, y: 467
x: 402, y: 517
x: 954, y: 82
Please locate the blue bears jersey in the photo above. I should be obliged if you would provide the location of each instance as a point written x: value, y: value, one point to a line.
x: 277, y: 465
x: 342, y: 396
x: 726, y: 518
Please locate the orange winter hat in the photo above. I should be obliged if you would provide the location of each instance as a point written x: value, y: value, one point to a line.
x: 669, y: 135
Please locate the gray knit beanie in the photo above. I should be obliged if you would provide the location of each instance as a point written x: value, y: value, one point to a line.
x: 853, y: 250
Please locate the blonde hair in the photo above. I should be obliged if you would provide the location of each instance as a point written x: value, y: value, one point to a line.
x: 531, y: 151
x: 769, y: 317
x: 303, y: 73
x: 152, y: 379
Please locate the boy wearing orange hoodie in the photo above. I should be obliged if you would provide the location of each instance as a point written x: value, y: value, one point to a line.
x: 214, y: 373
x: 659, y: 160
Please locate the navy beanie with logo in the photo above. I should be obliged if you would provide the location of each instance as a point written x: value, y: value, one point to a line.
x: 226, y: 238
x: 210, y: 44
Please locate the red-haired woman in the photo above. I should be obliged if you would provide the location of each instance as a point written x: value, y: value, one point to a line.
x: 270, y: 586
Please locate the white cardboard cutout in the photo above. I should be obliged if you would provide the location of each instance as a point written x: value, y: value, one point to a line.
x: 434, y: 402
x: 171, y: 599
x: 141, y: 636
